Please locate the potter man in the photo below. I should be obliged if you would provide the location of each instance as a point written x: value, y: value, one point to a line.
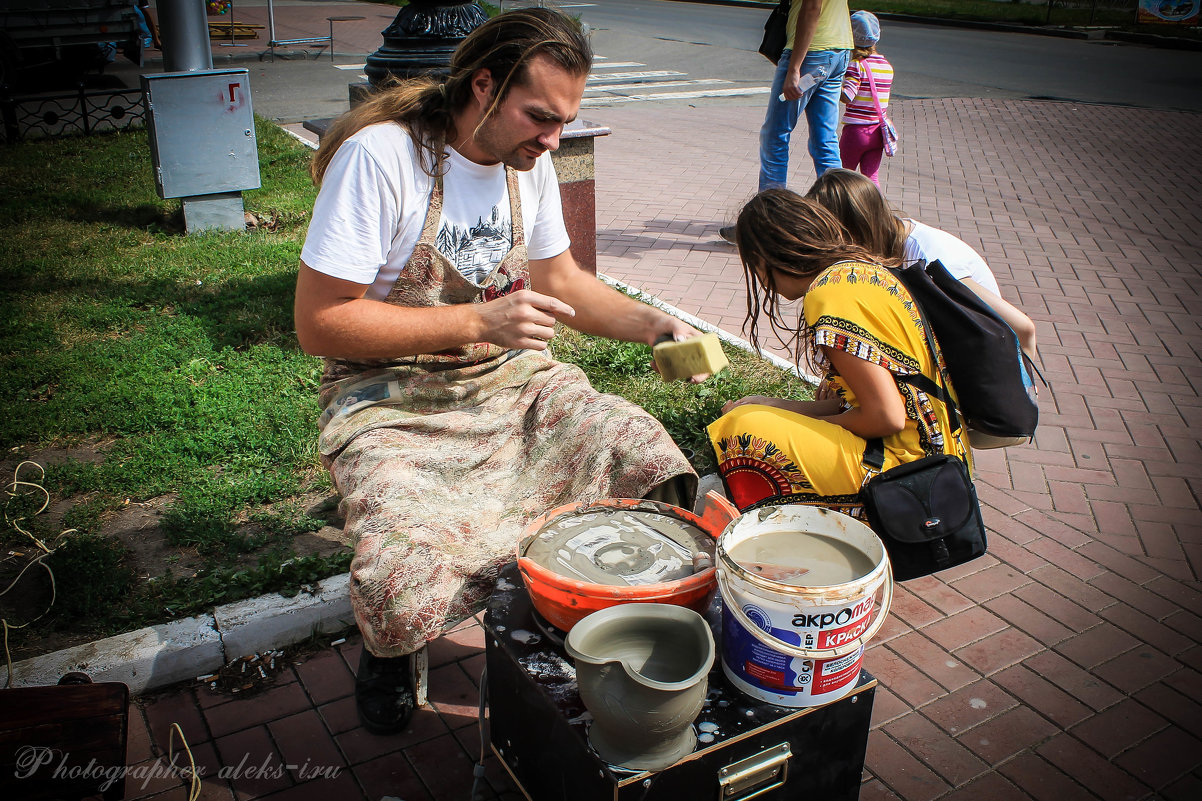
x: 435, y: 268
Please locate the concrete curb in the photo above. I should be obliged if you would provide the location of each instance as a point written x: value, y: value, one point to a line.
x: 157, y: 656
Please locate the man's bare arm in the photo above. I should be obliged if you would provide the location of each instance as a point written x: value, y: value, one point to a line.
x: 803, y: 34
x: 333, y: 318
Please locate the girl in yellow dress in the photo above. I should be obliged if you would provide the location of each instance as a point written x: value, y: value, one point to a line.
x: 860, y: 329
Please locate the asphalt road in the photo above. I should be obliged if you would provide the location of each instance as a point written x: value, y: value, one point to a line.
x: 931, y: 60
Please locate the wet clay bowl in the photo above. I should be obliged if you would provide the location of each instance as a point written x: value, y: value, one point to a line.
x: 563, y: 600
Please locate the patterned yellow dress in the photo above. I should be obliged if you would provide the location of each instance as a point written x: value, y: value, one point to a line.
x: 773, y: 456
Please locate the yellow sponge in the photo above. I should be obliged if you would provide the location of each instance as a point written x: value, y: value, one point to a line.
x: 693, y: 356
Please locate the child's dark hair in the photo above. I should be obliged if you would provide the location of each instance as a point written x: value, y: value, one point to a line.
x: 779, y: 232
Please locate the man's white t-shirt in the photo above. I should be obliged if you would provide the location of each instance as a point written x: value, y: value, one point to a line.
x: 373, y: 200
x: 927, y: 244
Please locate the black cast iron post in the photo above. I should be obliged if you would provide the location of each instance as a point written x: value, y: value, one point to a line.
x: 422, y: 38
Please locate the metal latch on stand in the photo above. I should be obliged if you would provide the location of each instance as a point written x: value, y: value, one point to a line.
x: 755, y: 775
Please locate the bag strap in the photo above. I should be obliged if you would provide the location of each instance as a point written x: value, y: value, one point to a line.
x: 880, y: 112
x: 874, y: 449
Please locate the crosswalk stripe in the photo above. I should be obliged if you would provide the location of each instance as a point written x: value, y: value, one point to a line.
x: 653, y: 84
x: 741, y: 91
x: 626, y: 76
x: 349, y: 66
x: 617, y: 64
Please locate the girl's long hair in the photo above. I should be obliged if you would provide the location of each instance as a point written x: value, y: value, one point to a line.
x: 863, y: 210
x: 780, y: 233
x: 426, y: 106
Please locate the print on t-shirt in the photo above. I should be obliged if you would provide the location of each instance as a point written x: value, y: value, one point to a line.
x: 476, y: 250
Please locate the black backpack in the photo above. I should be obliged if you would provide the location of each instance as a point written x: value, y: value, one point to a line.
x: 994, y: 380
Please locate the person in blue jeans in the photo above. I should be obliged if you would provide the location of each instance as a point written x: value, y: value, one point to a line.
x: 809, y: 78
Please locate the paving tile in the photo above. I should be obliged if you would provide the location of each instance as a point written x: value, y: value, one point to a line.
x: 253, y: 710
x: 341, y: 787
x: 306, y: 745
x: 1091, y: 769
x: 175, y: 707
x: 1042, y: 780
x: 1026, y: 618
x: 900, y: 771
x: 912, y: 610
x: 454, y: 696
x: 1119, y: 563
x: 251, y: 763
x: 969, y: 706
x: 139, y: 746
x: 1042, y: 696
x: 359, y: 745
x: 1136, y: 669
x: 1010, y: 733
x: 1119, y: 728
x: 1164, y: 758
x: 1064, y: 610
x: 1187, y: 788
x: 990, y: 787
x: 325, y: 676
x: 886, y: 706
x: 998, y: 651
x: 933, y: 660
x: 936, y: 749
x: 340, y: 716
x: 1182, y: 711
x: 1012, y: 553
x: 964, y: 627
x: 875, y: 790
x: 991, y: 582
x: 1188, y: 682
x: 391, y: 775
x: 1097, y: 645
x: 939, y: 595
x: 908, y: 682
x: 443, y: 766
x: 464, y: 641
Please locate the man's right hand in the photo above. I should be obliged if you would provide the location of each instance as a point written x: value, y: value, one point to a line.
x: 522, y: 319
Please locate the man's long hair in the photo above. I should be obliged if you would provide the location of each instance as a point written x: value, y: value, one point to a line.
x: 425, y: 106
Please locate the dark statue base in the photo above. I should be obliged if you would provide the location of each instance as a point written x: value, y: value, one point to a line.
x: 422, y: 39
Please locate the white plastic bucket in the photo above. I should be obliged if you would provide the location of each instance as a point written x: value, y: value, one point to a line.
x: 792, y: 644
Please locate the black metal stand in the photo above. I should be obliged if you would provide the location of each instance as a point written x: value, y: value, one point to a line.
x: 422, y: 39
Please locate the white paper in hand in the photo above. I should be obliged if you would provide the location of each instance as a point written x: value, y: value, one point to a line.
x: 805, y: 84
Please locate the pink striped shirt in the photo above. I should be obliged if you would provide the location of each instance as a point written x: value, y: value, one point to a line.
x: 860, y: 109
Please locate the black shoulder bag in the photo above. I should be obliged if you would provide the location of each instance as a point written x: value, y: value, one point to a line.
x: 775, y: 33
x: 926, y: 511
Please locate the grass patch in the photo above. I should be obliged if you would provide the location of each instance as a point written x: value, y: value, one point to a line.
x: 157, y: 378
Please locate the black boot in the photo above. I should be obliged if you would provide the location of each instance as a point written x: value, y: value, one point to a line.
x: 385, y: 694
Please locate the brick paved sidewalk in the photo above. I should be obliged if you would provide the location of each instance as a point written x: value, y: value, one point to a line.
x: 1064, y: 664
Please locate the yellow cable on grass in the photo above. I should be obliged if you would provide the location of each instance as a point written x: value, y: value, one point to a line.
x: 11, y: 490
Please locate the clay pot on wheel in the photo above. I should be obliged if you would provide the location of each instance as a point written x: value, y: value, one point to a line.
x: 643, y: 672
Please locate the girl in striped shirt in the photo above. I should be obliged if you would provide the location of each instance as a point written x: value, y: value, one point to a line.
x: 861, y: 144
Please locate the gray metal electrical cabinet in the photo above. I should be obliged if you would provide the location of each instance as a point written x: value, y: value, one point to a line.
x: 202, y: 132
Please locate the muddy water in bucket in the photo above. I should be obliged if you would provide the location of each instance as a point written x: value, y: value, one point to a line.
x: 799, y: 588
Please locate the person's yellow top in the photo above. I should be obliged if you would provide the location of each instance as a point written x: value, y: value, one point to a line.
x: 834, y: 26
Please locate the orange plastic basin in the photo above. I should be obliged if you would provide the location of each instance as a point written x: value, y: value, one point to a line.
x: 564, y: 601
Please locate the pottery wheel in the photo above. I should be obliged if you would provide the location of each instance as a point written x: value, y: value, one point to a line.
x: 619, y: 547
